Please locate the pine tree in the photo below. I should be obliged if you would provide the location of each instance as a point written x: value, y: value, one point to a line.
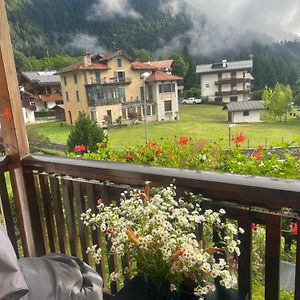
x: 85, y: 132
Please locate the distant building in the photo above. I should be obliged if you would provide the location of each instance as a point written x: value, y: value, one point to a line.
x: 226, y: 81
x: 28, y: 106
x: 244, y: 111
x: 109, y: 86
x: 44, y: 86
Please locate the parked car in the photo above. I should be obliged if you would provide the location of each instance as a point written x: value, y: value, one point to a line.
x: 191, y: 100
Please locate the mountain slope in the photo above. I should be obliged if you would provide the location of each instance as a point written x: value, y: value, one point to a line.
x: 59, y: 25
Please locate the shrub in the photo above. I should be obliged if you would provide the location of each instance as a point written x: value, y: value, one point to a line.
x: 85, y: 133
x: 44, y: 113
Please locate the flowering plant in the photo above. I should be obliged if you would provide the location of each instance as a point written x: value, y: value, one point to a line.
x: 157, y: 230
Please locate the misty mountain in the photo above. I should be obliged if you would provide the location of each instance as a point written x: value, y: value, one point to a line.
x: 73, y: 27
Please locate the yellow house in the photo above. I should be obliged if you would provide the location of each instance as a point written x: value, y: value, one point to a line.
x: 109, y: 86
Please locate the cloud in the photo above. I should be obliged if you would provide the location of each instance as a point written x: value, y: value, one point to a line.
x: 85, y: 43
x: 224, y: 25
x: 276, y: 18
x: 106, y: 9
x: 173, y: 7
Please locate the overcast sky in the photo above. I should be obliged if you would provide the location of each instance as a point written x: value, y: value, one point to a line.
x: 229, y: 23
x: 278, y: 18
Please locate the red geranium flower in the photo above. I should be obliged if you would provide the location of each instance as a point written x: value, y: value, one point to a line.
x: 238, y: 139
x: 254, y: 227
x: 184, y: 140
x: 129, y: 157
x: 80, y: 148
x: 294, y: 228
x: 7, y: 114
x: 256, y: 154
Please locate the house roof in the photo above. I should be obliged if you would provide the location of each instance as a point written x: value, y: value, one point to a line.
x: 58, y: 106
x: 80, y: 65
x: 108, y: 56
x: 42, y: 77
x: 161, y: 64
x: 162, y: 76
x: 225, y: 65
x: 243, y: 105
x: 137, y: 65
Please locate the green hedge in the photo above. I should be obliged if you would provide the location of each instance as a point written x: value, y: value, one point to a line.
x: 44, y: 113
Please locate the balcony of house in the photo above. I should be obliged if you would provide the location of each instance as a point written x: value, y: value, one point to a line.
x: 60, y: 189
x: 234, y: 80
x: 233, y: 92
x: 43, y: 197
x: 110, y: 81
x: 50, y: 97
x: 100, y: 95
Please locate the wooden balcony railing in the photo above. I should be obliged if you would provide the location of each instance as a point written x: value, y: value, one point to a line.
x: 233, y: 92
x: 229, y: 80
x: 60, y: 189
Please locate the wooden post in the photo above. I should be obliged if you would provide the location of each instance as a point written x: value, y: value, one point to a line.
x: 14, y: 131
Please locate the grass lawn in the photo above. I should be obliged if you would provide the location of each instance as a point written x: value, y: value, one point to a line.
x: 196, y: 121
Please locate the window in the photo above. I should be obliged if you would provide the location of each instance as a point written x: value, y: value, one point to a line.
x: 75, y: 78
x: 150, y: 92
x: 123, y: 112
x: 97, y: 76
x: 244, y: 74
x: 153, y: 109
x: 166, y: 88
x: 48, y: 90
x: 67, y: 96
x: 92, y: 113
x: 122, y: 94
x: 233, y: 99
x: 70, y: 117
x: 218, y: 99
x: 148, y: 110
x: 207, y: 85
x: 168, y: 105
x: 245, y: 113
x: 119, y: 63
x: 65, y: 80
x: 77, y: 96
x: 142, y: 93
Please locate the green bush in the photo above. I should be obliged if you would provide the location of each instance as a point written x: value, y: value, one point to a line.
x: 85, y: 133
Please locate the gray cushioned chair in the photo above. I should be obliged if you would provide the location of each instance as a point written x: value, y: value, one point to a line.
x: 52, y: 277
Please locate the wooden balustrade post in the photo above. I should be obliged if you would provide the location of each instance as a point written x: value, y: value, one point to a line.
x: 15, y: 137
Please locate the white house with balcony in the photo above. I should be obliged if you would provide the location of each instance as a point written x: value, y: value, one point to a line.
x: 226, y: 81
x: 162, y: 90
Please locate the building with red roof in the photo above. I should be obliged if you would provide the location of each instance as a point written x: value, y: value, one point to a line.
x: 107, y: 86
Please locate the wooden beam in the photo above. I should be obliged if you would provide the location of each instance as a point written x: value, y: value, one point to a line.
x: 14, y: 131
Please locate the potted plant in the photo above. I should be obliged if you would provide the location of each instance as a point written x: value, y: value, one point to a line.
x: 157, y: 230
